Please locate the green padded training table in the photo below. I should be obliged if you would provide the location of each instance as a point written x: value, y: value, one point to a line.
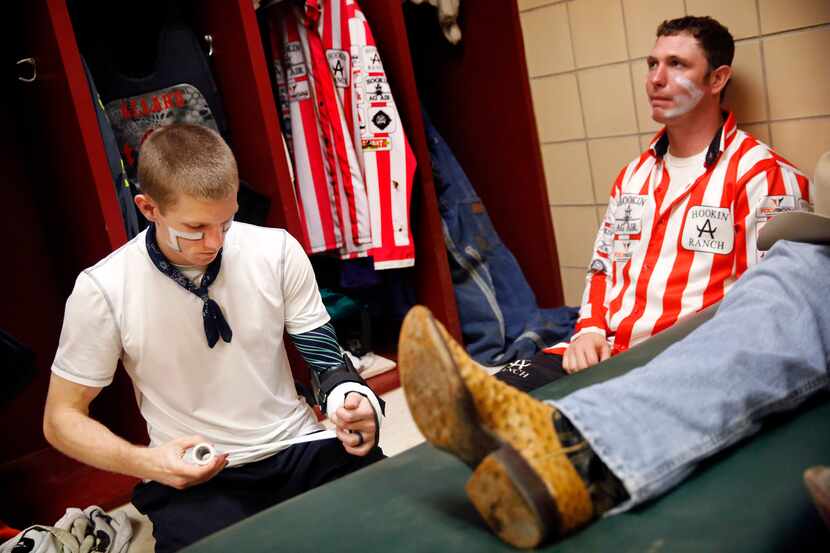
x: 750, y: 498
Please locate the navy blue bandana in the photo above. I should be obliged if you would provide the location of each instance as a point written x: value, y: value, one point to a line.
x: 215, y: 323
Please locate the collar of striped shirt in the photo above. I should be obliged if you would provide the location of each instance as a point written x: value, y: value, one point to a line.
x: 660, y: 143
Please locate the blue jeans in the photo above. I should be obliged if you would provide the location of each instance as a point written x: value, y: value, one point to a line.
x: 500, y: 319
x: 764, y: 351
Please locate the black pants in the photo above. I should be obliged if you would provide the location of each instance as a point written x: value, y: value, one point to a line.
x: 181, y: 517
x: 529, y: 374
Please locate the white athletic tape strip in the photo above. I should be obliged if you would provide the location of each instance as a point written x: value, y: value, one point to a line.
x: 176, y: 234
x: 203, y: 453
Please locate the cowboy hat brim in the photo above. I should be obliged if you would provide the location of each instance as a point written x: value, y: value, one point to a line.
x: 797, y: 226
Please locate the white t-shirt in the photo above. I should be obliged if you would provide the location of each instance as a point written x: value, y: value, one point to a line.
x: 683, y: 172
x: 237, y: 394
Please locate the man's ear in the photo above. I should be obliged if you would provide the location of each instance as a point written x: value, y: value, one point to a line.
x: 719, y: 77
x: 147, y: 207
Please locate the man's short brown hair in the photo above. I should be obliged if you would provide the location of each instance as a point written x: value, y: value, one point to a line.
x: 189, y: 159
x: 715, y: 40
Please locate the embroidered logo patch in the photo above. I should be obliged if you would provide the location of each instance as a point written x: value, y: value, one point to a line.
x: 628, y: 217
x: 377, y: 89
x: 372, y: 59
x: 339, y: 65
x: 298, y: 90
x: 769, y: 206
x: 623, y: 250
x: 709, y: 229
x: 293, y: 53
x: 381, y: 120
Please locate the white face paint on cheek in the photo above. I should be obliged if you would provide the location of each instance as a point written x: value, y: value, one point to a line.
x: 173, y: 240
x: 684, y: 103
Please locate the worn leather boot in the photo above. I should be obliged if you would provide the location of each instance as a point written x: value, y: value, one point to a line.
x: 524, y: 485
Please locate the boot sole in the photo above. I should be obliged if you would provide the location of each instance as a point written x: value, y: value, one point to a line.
x: 439, y: 401
x: 513, y: 500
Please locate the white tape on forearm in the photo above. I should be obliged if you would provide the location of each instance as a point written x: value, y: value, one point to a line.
x: 338, y: 396
x: 204, y: 453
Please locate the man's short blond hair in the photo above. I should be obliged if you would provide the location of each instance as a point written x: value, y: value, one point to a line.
x: 183, y: 158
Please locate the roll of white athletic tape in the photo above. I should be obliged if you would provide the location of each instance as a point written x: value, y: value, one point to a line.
x: 200, y: 454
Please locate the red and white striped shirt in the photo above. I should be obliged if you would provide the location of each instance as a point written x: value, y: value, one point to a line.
x: 654, y: 264
x: 329, y: 185
x: 348, y: 94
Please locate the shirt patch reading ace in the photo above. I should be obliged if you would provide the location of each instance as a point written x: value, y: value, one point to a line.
x: 339, y: 66
x: 709, y: 229
x: 628, y: 217
x: 371, y: 59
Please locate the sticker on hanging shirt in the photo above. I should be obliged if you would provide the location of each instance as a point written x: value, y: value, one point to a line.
x: 770, y: 206
x: 372, y: 58
x: 282, y: 93
x: 298, y: 90
x: 606, y: 239
x: 279, y: 72
x: 709, y: 229
x: 357, y: 65
x: 359, y: 95
x: 293, y: 53
x: 339, y: 66
x: 628, y: 217
x: 361, y: 120
x: 382, y: 144
x: 381, y: 120
x: 377, y: 89
x: 297, y: 71
x: 623, y: 250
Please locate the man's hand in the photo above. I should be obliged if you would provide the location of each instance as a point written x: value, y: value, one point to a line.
x: 588, y: 349
x: 355, y: 422
x: 170, y: 469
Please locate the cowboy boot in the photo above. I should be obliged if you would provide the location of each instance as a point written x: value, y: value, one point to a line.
x: 524, y: 484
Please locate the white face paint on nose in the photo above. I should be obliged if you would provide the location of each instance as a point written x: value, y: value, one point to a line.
x: 684, y: 103
x: 173, y: 240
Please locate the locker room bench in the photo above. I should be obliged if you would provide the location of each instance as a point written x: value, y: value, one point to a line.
x: 749, y: 498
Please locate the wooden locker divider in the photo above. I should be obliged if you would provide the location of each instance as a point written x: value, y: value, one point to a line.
x: 66, y: 113
x: 241, y: 73
x: 478, y: 96
x: 80, y: 210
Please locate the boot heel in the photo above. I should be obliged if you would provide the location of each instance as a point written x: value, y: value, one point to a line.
x: 513, y: 500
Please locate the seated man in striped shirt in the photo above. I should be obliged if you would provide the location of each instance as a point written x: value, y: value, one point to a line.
x: 683, y: 217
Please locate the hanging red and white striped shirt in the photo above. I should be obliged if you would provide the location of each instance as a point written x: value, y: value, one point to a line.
x: 350, y: 152
x: 658, y: 259
x: 329, y: 185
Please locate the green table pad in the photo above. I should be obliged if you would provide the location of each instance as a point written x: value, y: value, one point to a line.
x: 750, y: 498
